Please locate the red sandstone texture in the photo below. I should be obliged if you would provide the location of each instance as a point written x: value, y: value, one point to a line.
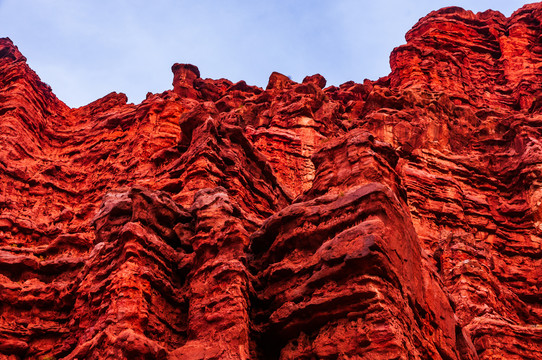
x: 394, y: 219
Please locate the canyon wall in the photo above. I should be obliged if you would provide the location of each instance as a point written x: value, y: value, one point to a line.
x: 391, y: 219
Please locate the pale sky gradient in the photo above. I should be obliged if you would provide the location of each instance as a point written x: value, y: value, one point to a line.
x: 86, y: 49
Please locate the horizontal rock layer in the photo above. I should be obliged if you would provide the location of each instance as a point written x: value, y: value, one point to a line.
x: 392, y: 219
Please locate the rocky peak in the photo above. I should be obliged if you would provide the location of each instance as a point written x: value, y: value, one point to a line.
x: 316, y: 79
x: 277, y: 81
x: 477, y: 58
x: 9, y: 52
x: 184, y: 76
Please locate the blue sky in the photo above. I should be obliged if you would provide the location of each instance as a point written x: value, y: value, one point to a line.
x: 86, y: 49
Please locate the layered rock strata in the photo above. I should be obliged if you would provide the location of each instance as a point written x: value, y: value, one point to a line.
x: 390, y: 219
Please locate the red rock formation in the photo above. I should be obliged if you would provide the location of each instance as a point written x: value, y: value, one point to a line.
x: 394, y: 219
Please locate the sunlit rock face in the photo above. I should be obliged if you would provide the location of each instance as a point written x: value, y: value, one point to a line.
x: 390, y: 219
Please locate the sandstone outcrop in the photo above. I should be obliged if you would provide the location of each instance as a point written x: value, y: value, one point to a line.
x: 391, y: 219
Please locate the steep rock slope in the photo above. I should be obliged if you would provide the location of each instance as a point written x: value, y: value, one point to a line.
x: 394, y: 219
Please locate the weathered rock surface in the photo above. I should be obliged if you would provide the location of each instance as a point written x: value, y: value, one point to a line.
x: 394, y: 219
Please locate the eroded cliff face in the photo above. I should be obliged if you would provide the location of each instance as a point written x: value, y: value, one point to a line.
x: 395, y: 219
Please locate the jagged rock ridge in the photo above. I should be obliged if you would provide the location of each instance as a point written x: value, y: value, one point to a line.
x: 394, y: 219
